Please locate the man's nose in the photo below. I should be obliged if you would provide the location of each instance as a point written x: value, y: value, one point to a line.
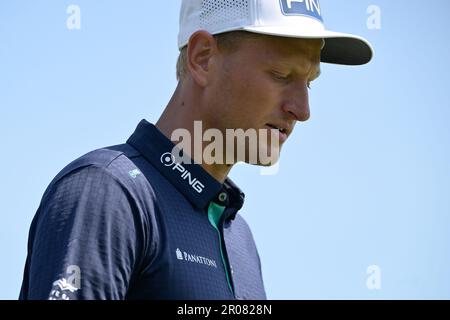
x: 297, y: 103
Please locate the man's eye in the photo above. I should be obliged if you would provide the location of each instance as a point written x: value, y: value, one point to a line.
x: 281, y: 77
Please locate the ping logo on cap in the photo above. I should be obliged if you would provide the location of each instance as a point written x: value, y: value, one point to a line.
x: 310, y: 8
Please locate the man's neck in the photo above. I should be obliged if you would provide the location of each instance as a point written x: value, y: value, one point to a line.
x: 181, y: 113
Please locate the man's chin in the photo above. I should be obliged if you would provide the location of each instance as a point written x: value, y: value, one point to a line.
x: 266, y: 161
x: 265, y: 165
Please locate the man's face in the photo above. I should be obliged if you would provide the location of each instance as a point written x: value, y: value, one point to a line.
x: 263, y: 84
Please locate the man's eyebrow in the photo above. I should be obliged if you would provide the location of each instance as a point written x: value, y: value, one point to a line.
x: 289, y: 66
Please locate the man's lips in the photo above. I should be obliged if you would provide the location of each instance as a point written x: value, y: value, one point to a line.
x: 282, y: 132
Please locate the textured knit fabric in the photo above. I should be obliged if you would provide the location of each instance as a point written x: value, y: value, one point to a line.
x: 129, y: 222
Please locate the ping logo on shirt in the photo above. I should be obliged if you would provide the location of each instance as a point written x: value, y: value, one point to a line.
x: 168, y: 160
x: 310, y: 8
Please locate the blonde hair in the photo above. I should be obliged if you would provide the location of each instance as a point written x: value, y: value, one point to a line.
x: 226, y: 42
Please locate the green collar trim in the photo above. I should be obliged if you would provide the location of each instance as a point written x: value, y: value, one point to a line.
x: 215, y: 212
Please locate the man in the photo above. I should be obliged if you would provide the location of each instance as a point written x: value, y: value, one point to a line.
x: 141, y: 220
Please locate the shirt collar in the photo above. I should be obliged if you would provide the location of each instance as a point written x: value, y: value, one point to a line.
x: 197, y: 185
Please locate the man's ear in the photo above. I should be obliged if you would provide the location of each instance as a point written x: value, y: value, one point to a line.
x: 201, y: 48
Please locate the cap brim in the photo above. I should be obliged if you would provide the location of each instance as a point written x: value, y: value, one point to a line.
x: 340, y: 48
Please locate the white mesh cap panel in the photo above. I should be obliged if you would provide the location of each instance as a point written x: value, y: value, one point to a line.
x: 269, y: 17
x: 219, y: 15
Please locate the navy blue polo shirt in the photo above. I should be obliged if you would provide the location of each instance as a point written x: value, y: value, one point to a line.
x: 130, y: 222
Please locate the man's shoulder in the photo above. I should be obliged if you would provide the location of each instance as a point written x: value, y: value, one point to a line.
x: 105, y: 157
x: 114, y: 161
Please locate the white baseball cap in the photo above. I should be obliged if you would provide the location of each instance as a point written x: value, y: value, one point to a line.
x: 284, y: 18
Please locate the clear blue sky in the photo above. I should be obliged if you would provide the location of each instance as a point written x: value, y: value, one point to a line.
x: 365, y: 182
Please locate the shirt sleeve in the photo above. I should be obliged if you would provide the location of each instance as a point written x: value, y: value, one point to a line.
x: 87, y: 239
